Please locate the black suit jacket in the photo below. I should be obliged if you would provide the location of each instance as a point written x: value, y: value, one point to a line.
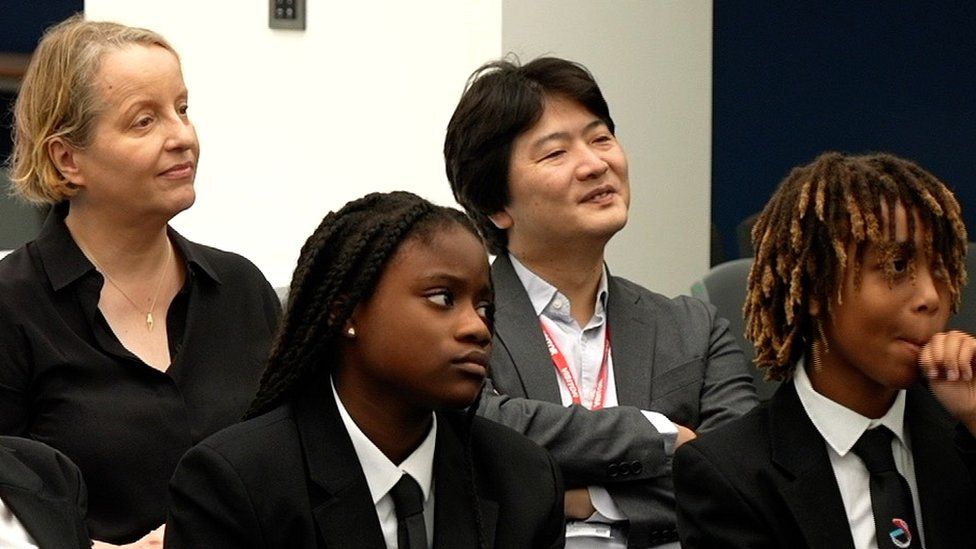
x: 45, y: 492
x: 766, y: 481
x: 672, y: 356
x: 291, y: 478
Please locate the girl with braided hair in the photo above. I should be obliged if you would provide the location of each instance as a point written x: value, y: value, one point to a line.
x: 868, y: 443
x: 385, y: 338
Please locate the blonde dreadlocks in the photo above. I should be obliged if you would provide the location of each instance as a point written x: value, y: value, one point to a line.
x: 818, y: 214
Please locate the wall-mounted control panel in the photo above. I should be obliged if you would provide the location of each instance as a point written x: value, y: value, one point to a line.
x: 286, y: 14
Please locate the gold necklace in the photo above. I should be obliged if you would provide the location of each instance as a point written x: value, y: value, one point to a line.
x: 159, y: 282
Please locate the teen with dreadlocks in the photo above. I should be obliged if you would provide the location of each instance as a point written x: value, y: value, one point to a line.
x: 388, y: 329
x: 869, y: 441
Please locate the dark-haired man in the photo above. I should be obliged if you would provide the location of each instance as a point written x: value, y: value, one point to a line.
x: 606, y: 375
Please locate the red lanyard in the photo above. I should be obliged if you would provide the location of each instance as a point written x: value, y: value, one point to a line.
x: 564, y: 371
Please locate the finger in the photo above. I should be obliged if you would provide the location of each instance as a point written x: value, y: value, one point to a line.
x: 967, y: 350
x: 927, y: 357
x: 927, y: 362
x: 950, y: 354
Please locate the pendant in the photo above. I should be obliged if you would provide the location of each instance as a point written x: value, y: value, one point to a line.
x: 149, y: 320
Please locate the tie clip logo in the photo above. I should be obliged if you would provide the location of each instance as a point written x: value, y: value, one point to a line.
x: 901, y: 536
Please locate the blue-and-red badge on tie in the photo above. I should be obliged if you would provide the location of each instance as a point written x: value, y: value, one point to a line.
x: 901, y: 535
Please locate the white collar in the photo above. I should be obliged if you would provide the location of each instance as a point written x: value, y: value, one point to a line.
x: 381, y: 473
x: 541, y: 292
x: 840, y: 426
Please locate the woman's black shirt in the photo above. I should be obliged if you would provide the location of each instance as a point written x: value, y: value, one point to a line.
x: 66, y: 380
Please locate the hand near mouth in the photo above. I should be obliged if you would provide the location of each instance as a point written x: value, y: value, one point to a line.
x: 947, y: 362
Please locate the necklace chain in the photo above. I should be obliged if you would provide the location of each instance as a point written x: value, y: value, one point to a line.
x: 159, y: 282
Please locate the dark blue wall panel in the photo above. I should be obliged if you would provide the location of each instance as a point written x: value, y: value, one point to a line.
x: 23, y: 21
x: 792, y: 79
x: 21, y: 24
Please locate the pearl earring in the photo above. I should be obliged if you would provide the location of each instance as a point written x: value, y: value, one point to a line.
x: 351, y: 332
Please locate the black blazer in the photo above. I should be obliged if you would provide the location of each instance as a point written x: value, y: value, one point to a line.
x: 766, y: 481
x: 45, y: 492
x: 291, y: 478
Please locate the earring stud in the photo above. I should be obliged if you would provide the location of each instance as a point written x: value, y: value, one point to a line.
x: 351, y: 332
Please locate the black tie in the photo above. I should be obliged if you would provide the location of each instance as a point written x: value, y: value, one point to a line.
x: 408, y: 500
x: 891, y: 499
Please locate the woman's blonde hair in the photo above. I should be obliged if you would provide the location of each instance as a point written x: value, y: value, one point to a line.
x: 57, y: 99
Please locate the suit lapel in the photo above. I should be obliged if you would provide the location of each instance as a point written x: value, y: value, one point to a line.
x: 517, y: 333
x: 632, y: 336
x: 51, y: 522
x: 454, y: 523
x: 810, y: 488
x: 345, y: 514
x: 944, y: 486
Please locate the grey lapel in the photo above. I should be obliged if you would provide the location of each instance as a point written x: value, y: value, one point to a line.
x: 945, y: 489
x: 345, y: 515
x: 810, y: 488
x: 517, y: 334
x: 453, y: 517
x: 632, y: 339
x: 51, y: 522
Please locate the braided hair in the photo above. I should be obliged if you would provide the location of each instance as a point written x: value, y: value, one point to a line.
x: 340, y: 266
x: 819, y: 213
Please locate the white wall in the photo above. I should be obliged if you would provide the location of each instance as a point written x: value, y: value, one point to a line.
x: 653, y: 61
x: 293, y: 124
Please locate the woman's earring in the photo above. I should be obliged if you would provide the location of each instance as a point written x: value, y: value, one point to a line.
x: 350, y: 332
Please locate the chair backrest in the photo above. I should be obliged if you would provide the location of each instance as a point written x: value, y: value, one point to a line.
x: 724, y: 286
x: 743, y: 235
x: 19, y: 222
x: 965, y: 319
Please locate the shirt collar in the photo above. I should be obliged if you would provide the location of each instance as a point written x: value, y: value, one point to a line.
x: 542, y: 293
x: 64, y: 262
x: 381, y: 473
x: 191, y: 253
x: 62, y: 259
x: 840, y: 426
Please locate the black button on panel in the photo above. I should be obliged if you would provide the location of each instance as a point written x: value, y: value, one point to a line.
x: 286, y: 14
x: 285, y: 9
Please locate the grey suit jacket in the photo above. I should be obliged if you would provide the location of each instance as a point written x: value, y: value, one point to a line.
x: 45, y: 491
x: 765, y: 481
x: 672, y: 356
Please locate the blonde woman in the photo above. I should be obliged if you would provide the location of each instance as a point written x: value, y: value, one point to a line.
x: 122, y: 344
